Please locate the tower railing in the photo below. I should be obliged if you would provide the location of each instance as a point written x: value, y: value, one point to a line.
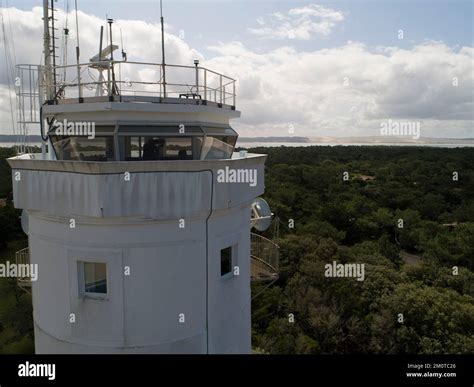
x: 125, y: 78
x: 265, y: 257
x: 28, y: 86
x: 22, y: 257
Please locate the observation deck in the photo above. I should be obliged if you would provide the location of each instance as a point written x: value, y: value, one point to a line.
x: 125, y: 81
x: 133, y: 108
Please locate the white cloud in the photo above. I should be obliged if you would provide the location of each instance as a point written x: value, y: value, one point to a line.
x: 301, y: 23
x: 5, y: 111
x: 284, y: 87
x: 141, y: 40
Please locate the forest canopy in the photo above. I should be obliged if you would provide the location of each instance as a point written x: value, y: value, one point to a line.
x: 346, y: 204
x: 407, y: 214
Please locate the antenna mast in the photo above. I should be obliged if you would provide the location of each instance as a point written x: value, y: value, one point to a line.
x: 48, y: 71
x: 78, y: 54
x: 53, y: 45
x: 113, y: 90
x: 65, y: 42
x: 163, y: 48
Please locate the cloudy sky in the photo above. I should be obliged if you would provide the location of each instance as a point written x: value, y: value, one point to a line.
x: 337, y: 68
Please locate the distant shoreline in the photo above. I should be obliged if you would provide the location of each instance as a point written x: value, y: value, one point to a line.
x: 10, y: 140
x: 249, y: 145
x: 368, y: 140
x: 275, y: 139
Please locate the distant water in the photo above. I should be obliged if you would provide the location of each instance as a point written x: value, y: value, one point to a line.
x: 11, y: 144
x: 297, y: 144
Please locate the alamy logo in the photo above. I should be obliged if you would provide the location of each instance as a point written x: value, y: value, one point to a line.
x: 37, y: 370
x: 229, y: 175
x: 346, y: 270
x: 77, y: 128
x: 19, y: 270
x: 400, y: 128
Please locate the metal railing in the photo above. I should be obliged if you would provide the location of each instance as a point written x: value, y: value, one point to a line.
x: 125, y: 78
x: 265, y: 257
x: 28, y: 101
x: 27, y: 88
x: 22, y: 257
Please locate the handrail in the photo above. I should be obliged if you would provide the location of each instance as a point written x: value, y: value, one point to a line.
x: 265, y: 258
x: 89, y: 64
x: 22, y: 257
x: 181, y: 80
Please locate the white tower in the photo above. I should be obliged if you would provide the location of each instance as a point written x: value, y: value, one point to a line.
x: 139, y: 216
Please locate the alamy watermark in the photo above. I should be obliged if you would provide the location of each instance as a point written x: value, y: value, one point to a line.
x: 230, y: 175
x: 13, y: 270
x: 346, y: 270
x: 33, y: 370
x: 400, y: 128
x: 76, y: 128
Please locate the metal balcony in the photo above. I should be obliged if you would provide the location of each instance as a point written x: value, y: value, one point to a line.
x: 22, y: 257
x: 143, y: 81
x: 264, y: 255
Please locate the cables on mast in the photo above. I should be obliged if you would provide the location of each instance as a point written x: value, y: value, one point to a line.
x: 9, y: 66
x: 11, y: 32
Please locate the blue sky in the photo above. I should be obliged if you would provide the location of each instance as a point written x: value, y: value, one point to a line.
x: 331, y: 68
x: 371, y: 22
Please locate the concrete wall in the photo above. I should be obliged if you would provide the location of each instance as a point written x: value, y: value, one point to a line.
x: 141, y: 311
x: 167, y: 277
x: 135, y: 224
x: 229, y: 296
x: 164, y: 190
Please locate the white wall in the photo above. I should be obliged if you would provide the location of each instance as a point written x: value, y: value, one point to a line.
x: 167, y: 277
x: 229, y: 297
x: 141, y: 312
x: 136, y: 224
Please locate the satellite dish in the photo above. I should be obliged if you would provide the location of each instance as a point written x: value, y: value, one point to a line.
x: 25, y: 222
x: 261, y: 215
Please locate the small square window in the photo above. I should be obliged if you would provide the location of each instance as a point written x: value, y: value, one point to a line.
x: 226, y: 261
x: 95, y: 277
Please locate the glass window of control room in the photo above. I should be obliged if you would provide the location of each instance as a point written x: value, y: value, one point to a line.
x: 218, y: 147
x: 83, y: 148
x: 161, y: 148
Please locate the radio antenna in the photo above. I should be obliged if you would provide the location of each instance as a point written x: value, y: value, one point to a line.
x: 78, y: 54
x: 101, y: 39
x: 124, y: 54
x: 163, y: 65
x: 112, y: 64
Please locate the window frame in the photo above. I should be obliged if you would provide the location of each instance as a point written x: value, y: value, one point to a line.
x: 82, y: 281
x: 193, y: 149
x: 233, y: 259
x: 57, y: 139
x: 212, y: 143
